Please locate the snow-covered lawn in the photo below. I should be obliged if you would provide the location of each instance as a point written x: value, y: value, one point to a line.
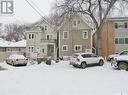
x: 62, y: 79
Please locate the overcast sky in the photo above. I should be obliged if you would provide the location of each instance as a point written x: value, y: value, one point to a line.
x: 23, y: 12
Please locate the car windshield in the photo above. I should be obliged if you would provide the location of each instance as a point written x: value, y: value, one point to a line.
x: 124, y: 53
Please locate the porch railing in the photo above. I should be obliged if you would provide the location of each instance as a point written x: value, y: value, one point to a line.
x: 48, y: 41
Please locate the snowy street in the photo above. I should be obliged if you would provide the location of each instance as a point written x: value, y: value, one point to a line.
x: 62, y: 79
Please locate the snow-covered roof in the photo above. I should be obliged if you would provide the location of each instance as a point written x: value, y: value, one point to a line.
x: 4, y: 43
x: 21, y: 43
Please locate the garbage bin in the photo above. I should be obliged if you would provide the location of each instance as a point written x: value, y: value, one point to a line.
x: 48, y: 61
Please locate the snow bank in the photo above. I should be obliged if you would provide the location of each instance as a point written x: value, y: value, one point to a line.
x: 63, y: 79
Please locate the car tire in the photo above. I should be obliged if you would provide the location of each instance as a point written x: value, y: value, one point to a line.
x: 74, y: 66
x: 123, y: 66
x: 83, y: 65
x: 101, y: 62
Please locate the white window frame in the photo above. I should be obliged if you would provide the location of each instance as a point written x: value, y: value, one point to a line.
x: 67, y: 34
x: 84, y: 36
x: 76, y: 46
x: 66, y: 47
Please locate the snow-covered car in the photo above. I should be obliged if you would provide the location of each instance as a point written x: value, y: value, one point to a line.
x: 110, y: 57
x: 16, y: 59
x: 120, y: 62
x: 84, y: 59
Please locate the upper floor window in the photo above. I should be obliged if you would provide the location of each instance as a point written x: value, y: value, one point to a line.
x: 76, y: 22
x: 49, y: 37
x: 65, y: 34
x: 78, y: 48
x: 45, y: 28
x: 31, y: 36
x: 65, y: 48
x: 126, y: 40
x: 121, y: 25
x: 121, y: 40
x: 85, y: 35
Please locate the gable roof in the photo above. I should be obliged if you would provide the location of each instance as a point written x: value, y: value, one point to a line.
x: 8, y: 44
x: 76, y: 14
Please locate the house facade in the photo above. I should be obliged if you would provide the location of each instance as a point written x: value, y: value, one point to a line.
x: 7, y: 48
x: 74, y: 36
x: 114, y: 36
x: 41, y: 41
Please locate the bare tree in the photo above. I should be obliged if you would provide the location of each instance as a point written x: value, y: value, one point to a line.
x: 96, y: 10
x: 15, y: 32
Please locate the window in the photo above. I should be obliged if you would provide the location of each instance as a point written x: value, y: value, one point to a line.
x: 86, y: 55
x: 65, y: 48
x: 125, y: 25
x: 124, y: 53
x: 45, y: 27
x: 65, y: 35
x: 49, y: 37
x: 31, y: 49
x: 116, y: 25
x: 121, y: 40
x: 116, y: 41
x: 76, y: 22
x: 121, y: 25
x: 85, y: 35
x: 42, y: 50
x: 32, y: 36
x: 126, y: 40
x: 78, y: 48
x: 29, y: 36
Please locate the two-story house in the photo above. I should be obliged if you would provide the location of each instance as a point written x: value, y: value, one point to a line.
x: 74, y: 36
x: 114, y: 35
x: 41, y: 40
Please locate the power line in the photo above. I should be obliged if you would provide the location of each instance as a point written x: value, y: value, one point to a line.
x: 33, y: 8
x: 37, y: 11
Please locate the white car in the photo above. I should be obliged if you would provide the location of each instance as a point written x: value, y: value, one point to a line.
x: 120, y: 62
x: 84, y: 59
x: 16, y: 59
x: 110, y: 57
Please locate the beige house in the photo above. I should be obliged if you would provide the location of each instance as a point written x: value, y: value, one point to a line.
x: 74, y: 36
x: 41, y: 40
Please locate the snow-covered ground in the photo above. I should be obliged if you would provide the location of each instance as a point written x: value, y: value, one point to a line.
x: 62, y: 79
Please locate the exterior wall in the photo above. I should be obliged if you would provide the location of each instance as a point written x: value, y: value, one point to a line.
x: 108, y: 35
x: 107, y: 39
x: 40, y: 42
x: 75, y: 37
x: 6, y: 51
x: 121, y: 33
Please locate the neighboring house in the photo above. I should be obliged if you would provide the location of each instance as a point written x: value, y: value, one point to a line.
x: 7, y: 48
x: 41, y: 40
x: 74, y: 36
x: 114, y: 36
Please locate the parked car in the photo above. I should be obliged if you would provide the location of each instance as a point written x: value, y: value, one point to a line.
x: 120, y: 62
x: 84, y: 59
x: 16, y: 59
x: 110, y: 57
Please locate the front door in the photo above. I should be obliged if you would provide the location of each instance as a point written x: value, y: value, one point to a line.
x: 51, y: 50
